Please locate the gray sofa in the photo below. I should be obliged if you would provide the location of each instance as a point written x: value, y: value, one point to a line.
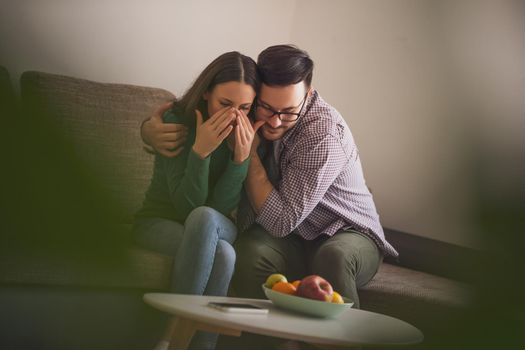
x: 70, y: 276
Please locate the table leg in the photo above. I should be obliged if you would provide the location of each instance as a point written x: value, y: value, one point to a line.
x: 184, y: 329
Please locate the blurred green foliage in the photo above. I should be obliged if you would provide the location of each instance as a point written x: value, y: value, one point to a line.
x: 48, y: 202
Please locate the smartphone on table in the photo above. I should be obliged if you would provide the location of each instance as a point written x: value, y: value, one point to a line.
x: 238, y: 307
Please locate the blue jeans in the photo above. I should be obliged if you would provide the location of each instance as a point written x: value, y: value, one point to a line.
x: 204, y: 256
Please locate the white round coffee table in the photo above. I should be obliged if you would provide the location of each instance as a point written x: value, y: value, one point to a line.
x: 351, y: 328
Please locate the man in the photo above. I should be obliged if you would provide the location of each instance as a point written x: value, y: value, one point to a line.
x: 307, y: 209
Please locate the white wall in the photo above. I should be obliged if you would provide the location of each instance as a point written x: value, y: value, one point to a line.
x: 380, y: 64
x: 162, y: 43
x: 405, y: 75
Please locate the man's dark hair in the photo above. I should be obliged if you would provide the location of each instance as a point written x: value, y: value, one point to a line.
x: 282, y: 65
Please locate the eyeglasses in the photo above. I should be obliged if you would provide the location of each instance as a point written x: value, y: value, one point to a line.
x: 268, y: 112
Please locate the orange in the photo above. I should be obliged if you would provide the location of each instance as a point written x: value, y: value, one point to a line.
x: 284, y: 287
x: 337, y: 298
x: 296, y: 283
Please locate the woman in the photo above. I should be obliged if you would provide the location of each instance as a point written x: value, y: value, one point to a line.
x: 186, y: 209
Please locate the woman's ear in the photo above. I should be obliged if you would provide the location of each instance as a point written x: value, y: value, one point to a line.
x: 205, y: 96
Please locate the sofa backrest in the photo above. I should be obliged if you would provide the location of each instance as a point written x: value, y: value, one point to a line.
x: 102, y: 123
x: 6, y: 90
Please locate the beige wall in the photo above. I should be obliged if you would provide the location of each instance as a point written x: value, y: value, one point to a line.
x: 163, y: 43
x: 378, y: 62
x: 419, y: 82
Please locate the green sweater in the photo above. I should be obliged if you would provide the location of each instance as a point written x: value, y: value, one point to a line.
x: 185, y: 182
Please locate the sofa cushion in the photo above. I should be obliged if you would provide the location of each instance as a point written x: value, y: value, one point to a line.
x: 102, y: 123
x: 422, y: 299
x: 136, y: 269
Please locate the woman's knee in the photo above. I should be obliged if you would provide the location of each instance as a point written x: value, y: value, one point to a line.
x: 200, y: 215
x: 225, y: 255
x: 205, y: 223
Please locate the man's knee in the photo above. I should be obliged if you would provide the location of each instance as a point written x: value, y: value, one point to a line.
x: 333, y: 259
x: 348, y: 255
x: 256, y: 259
x: 254, y: 254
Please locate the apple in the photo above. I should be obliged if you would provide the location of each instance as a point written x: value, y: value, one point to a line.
x: 273, y: 279
x: 315, y: 287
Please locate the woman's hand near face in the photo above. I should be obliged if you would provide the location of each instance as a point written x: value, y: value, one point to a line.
x: 244, y: 137
x: 212, y: 132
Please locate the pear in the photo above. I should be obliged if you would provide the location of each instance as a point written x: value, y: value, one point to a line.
x: 273, y: 279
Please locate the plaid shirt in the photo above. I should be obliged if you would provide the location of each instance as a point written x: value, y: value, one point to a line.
x: 320, y: 187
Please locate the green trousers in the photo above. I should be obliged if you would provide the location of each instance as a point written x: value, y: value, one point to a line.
x: 347, y: 260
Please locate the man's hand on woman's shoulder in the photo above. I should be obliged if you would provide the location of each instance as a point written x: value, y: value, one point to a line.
x: 166, y: 139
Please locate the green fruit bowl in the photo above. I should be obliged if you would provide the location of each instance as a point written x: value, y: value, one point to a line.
x: 306, y: 306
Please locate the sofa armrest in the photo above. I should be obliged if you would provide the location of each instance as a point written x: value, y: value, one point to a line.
x: 435, y: 257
